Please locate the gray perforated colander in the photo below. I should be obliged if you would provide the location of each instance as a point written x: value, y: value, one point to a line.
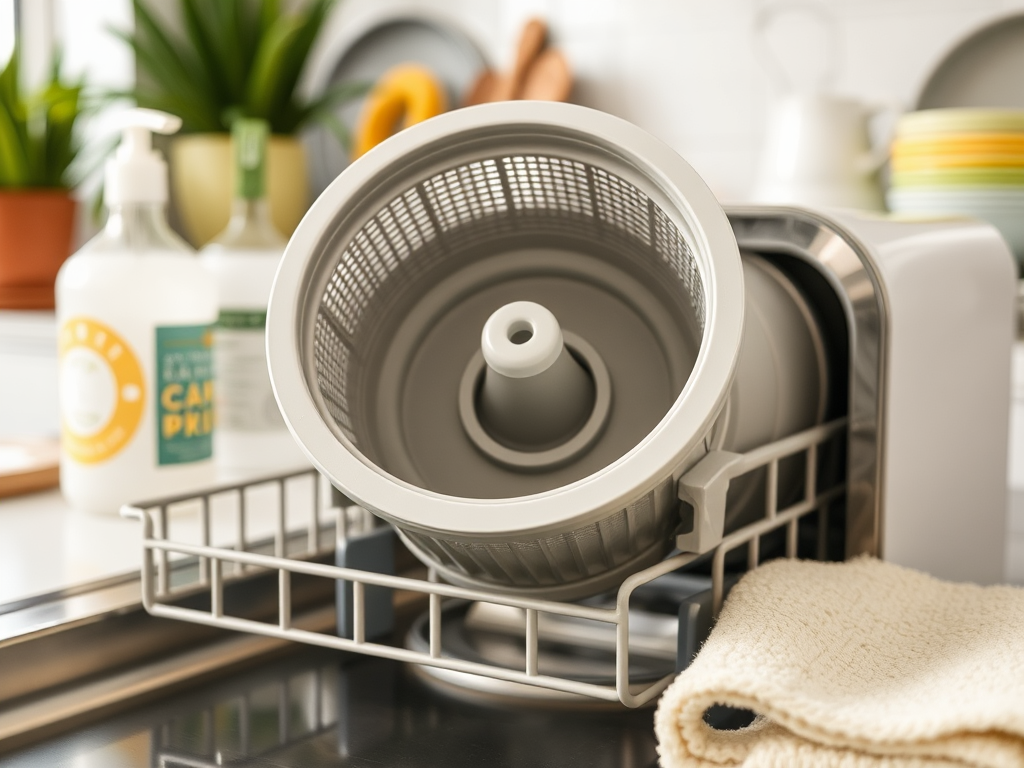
x: 384, y: 288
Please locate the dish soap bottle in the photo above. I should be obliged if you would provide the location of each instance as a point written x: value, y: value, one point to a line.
x: 251, y: 434
x: 135, y: 312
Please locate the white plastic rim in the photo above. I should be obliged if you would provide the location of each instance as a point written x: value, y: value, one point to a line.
x: 643, y: 160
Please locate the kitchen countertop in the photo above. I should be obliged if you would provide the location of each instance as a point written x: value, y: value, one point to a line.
x: 46, y: 546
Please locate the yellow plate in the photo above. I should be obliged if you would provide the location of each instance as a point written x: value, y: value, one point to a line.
x: 925, y: 162
x: 960, y: 143
x: 932, y: 121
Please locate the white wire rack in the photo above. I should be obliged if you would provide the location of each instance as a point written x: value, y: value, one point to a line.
x: 218, y: 564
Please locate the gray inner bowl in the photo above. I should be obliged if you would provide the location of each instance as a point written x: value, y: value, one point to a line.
x: 404, y: 307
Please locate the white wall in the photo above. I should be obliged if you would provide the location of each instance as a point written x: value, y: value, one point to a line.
x: 686, y: 70
x: 108, y: 64
x: 80, y: 30
x: 6, y: 30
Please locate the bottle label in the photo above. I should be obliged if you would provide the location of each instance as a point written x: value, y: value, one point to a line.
x: 102, y: 390
x: 184, y: 396
x: 245, y: 398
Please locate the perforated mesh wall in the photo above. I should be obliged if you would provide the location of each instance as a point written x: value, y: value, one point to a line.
x: 562, y: 559
x: 476, y: 203
x: 483, y: 204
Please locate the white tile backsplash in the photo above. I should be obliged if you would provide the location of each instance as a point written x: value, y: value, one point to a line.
x: 686, y: 70
x: 28, y: 375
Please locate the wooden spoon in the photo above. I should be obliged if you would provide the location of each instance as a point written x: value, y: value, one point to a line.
x: 482, y: 89
x: 531, y: 42
x: 549, y: 79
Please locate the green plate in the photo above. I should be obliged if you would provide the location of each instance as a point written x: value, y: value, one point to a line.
x: 959, y: 177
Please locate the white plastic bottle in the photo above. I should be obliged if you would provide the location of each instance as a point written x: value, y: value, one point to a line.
x: 135, y: 312
x: 251, y: 435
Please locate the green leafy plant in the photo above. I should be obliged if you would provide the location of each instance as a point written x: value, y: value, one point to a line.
x: 38, y: 143
x: 235, y: 58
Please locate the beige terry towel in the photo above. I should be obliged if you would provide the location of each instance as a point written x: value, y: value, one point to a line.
x: 854, y: 665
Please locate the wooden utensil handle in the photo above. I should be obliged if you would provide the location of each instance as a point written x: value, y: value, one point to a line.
x: 531, y: 42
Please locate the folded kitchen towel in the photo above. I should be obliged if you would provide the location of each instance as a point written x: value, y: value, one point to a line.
x: 854, y: 665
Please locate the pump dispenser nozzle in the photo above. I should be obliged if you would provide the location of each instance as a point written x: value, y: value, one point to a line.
x: 138, y: 173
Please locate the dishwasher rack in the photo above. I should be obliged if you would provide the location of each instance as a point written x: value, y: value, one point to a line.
x: 294, y: 551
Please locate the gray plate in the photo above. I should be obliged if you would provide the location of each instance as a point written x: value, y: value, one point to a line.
x: 444, y: 49
x: 984, y: 70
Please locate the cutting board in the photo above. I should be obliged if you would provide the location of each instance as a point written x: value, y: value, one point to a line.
x: 28, y: 465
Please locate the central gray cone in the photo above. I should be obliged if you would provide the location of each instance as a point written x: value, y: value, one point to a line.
x: 535, y: 395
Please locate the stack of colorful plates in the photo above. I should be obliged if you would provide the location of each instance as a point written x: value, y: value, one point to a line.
x: 966, y: 162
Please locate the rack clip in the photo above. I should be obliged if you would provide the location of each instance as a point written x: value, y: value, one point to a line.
x: 704, y: 488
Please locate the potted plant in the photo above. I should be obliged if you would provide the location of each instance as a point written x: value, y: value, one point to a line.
x: 38, y: 145
x: 232, y: 58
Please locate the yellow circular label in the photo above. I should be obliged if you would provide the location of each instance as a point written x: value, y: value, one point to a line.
x: 102, y: 390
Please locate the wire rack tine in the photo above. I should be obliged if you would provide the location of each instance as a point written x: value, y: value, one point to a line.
x: 313, y: 534
x: 242, y: 543
x: 216, y: 587
x: 163, y: 566
x: 532, y: 638
x: 358, y: 612
x: 772, y: 489
x: 792, y: 531
x: 435, y: 626
x: 204, y: 529
x: 811, y: 473
x: 284, y: 587
x: 282, y: 517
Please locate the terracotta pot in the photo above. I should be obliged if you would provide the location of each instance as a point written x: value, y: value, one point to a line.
x: 202, y: 183
x: 36, y: 227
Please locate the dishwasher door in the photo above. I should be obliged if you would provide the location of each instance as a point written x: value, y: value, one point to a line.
x: 320, y: 707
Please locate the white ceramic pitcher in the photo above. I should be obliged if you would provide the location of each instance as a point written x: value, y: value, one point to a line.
x: 817, y: 148
x: 818, y: 151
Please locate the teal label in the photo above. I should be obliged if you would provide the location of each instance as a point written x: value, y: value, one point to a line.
x: 242, y: 319
x: 184, y: 393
